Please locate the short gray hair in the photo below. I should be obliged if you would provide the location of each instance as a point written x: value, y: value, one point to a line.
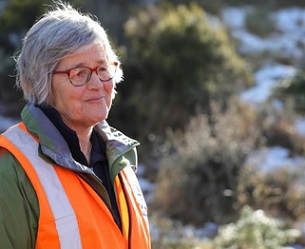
x: 58, y: 33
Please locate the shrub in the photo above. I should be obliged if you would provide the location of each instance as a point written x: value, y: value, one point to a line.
x: 177, y: 63
x: 293, y: 90
x: 278, y: 127
x: 198, y: 177
x: 254, y: 230
x: 169, y: 234
x: 280, y: 193
x: 259, y: 22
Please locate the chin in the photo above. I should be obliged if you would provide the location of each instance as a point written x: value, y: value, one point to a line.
x: 96, y: 115
x: 101, y: 117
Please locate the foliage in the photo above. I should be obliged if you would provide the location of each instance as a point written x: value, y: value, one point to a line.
x: 268, y: 4
x: 280, y: 192
x: 176, y: 59
x: 213, y: 7
x: 254, y: 230
x: 181, y: 244
x: 169, y: 234
x: 178, y: 62
x: 112, y: 14
x: 12, y: 28
x: 216, y: 6
x: 278, y: 126
x: 15, y: 19
x: 8, y: 93
x: 293, y: 90
x: 201, y: 166
x: 259, y: 22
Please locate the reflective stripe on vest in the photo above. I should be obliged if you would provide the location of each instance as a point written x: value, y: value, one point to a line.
x: 64, y: 221
x: 58, y: 200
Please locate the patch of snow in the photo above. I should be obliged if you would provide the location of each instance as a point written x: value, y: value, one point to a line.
x: 265, y: 80
x: 272, y: 158
x: 209, y: 230
x: 234, y: 17
x: 293, y: 247
x: 300, y: 126
x: 148, y: 189
x: 290, y: 20
x: 286, y: 41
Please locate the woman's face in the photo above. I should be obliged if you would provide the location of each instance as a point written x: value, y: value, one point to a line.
x: 83, y: 106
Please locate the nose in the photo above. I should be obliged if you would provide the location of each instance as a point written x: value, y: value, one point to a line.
x: 94, y: 80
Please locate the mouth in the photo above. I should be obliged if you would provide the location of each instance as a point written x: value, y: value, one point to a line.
x: 95, y: 99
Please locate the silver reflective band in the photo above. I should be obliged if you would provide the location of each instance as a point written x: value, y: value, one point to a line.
x: 65, y: 218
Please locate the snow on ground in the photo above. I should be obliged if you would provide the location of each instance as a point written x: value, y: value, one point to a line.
x: 266, y: 79
x: 272, y: 158
x: 300, y: 126
x: 287, y: 41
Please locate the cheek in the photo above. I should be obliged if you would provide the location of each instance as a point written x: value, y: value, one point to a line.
x: 110, y: 89
x: 65, y: 97
x: 109, y: 86
x: 56, y: 95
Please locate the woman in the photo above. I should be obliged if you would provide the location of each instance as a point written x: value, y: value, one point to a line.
x: 66, y: 178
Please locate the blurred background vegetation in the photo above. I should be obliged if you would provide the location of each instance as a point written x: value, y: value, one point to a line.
x: 183, y: 76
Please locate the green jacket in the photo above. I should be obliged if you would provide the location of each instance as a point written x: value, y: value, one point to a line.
x: 19, y: 210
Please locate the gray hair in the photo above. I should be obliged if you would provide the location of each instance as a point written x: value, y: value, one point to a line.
x: 60, y: 32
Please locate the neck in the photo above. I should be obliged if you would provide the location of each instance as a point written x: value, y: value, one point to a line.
x: 83, y: 132
x: 84, y: 142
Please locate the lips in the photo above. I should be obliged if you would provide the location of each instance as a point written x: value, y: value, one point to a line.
x: 93, y: 99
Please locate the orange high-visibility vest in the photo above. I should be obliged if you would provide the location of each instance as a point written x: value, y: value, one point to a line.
x: 72, y: 215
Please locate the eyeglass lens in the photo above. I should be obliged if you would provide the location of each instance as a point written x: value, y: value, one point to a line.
x: 81, y: 75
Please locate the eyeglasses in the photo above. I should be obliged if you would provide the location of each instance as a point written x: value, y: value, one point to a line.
x: 80, y: 76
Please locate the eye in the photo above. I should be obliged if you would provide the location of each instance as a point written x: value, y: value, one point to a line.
x: 79, y: 72
x: 102, y: 69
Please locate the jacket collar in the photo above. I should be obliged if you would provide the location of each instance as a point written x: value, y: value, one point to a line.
x: 54, y: 146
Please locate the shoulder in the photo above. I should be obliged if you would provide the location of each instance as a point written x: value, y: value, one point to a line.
x: 109, y: 133
x: 14, y: 183
x: 10, y: 168
x: 19, y: 210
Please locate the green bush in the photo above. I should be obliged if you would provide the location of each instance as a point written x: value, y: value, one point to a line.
x: 169, y: 234
x: 177, y: 63
x: 293, y: 90
x: 259, y: 22
x: 254, y: 230
x: 10, y: 99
